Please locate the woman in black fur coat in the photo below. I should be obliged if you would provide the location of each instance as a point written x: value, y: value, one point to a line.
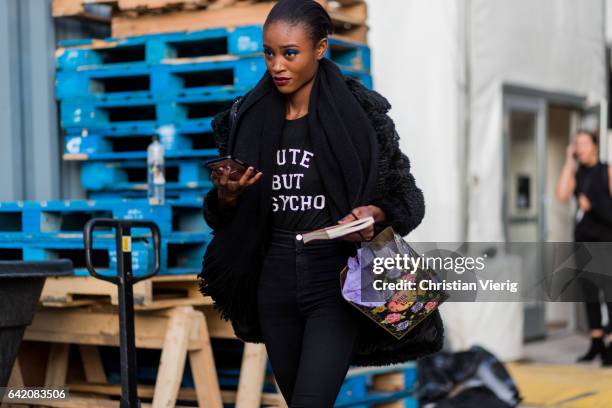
x: 324, y: 151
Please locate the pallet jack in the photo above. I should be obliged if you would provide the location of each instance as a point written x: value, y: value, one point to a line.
x: 125, y: 280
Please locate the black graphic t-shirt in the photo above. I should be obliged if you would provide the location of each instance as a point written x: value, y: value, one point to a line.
x: 298, y: 197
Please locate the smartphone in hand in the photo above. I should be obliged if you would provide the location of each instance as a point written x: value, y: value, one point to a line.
x: 237, y: 167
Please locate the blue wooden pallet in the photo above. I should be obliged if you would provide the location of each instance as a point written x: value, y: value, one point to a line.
x: 130, y: 82
x: 350, y: 55
x: 171, y: 194
x: 160, y: 82
x: 356, y: 391
x: 11, y: 219
x: 104, y: 254
x: 158, y: 48
x: 181, y: 47
x: 82, y: 144
x: 140, y: 155
x: 132, y: 175
x: 221, y: 76
x: 181, y: 253
x: 32, y: 220
x: 129, y: 115
x: 146, y: 129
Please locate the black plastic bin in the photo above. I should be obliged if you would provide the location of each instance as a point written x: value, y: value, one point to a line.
x: 20, y: 286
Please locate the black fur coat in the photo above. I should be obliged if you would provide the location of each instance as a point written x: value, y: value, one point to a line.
x: 401, y: 200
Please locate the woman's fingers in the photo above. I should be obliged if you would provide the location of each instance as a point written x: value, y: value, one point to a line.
x: 352, y: 237
x: 365, y: 234
x: 214, y: 177
x: 346, y: 219
x: 249, y: 177
x: 223, y: 181
x: 243, y: 180
x: 584, y: 202
x: 224, y: 176
x: 368, y: 233
x: 255, y: 178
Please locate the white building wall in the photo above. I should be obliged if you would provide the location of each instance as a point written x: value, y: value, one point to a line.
x: 419, y: 56
x: 608, y: 22
x: 416, y: 56
x: 551, y: 45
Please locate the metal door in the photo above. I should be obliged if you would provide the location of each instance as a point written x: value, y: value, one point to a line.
x: 525, y: 119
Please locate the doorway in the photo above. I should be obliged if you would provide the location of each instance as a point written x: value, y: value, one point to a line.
x: 537, y: 129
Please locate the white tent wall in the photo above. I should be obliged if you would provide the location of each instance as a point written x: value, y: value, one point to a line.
x: 609, y: 22
x: 417, y: 65
x: 548, y: 45
x: 545, y: 45
x: 425, y: 56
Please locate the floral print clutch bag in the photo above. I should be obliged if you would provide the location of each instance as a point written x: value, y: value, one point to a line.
x: 396, y: 298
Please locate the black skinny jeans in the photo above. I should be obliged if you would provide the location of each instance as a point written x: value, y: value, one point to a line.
x: 308, y: 328
x: 591, y: 291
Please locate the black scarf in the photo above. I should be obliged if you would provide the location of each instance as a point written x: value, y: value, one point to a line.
x: 345, y: 144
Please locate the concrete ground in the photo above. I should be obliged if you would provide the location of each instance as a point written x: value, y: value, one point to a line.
x: 558, y: 348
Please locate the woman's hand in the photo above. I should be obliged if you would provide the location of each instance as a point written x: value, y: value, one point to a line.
x: 583, y: 202
x: 365, y: 234
x: 570, y: 154
x: 229, y: 190
x: 567, y: 180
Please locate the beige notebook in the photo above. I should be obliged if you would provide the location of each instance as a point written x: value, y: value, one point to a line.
x: 339, y: 230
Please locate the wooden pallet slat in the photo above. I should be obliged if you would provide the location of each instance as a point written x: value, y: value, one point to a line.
x: 179, y: 332
x: 183, y: 332
x: 151, y: 294
x: 16, y: 377
x: 152, y: 5
x: 92, y: 364
x: 247, y: 14
x: 184, y: 394
x: 80, y: 8
x: 83, y: 9
x: 138, y: 17
x: 355, y: 14
x: 349, y: 20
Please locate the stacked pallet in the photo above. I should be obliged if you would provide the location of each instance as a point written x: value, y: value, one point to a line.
x: 117, y: 92
x: 138, y: 17
x: 114, y: 94
x: 33, y: 231
x: 36, y: 231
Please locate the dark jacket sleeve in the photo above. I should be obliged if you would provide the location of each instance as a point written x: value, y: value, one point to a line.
x: 397, y: 193
x: 214, y: 216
